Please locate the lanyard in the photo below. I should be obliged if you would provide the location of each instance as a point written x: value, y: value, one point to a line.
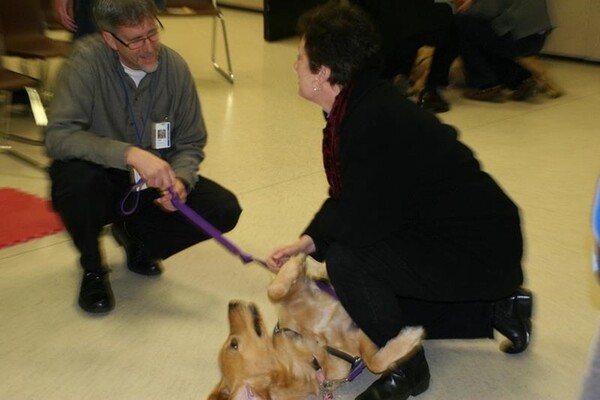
x: 139, y: 133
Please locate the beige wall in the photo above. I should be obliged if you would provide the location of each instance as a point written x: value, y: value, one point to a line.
x: 577, y: 32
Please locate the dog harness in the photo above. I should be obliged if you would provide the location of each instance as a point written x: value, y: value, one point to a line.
x: 327, y: 386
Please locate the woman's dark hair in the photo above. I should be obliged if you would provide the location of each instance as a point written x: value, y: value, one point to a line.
x: 342, y: 38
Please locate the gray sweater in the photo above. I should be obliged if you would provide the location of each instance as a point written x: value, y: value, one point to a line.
x: 520, y: 18
x: 89, y: 117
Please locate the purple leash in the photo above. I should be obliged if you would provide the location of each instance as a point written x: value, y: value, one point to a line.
x: 357, y: 364
x: 194, y: 218
x: 209, y: 229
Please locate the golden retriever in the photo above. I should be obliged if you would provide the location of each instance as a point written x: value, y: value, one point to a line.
x: 533, y: 64
x: 293, y: 363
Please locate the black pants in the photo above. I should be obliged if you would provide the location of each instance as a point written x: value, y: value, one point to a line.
x: 400, y: 53
x: 489, y: 59
x: 88, y: 197
x: 397, y: 283
x: 84, y: 19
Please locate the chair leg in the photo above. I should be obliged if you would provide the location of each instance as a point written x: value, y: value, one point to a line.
x: 6, y: 102
x: 37, y: 107
x: 227, y: 74
x: 534, y: 65
x: 5, y: 135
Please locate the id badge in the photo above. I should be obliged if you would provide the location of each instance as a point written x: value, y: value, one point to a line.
x: 161, y: 137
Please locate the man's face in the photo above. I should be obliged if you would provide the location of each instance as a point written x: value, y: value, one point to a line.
x: 146, y: 34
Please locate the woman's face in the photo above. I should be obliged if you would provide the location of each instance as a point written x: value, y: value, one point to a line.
x: 308, y: 83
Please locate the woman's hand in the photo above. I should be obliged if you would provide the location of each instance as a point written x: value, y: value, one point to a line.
x: 279, y: 256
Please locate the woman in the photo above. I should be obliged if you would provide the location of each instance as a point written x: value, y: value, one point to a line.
x: 413, y: 232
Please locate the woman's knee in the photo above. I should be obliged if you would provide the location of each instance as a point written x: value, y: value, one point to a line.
x: 341, y: 262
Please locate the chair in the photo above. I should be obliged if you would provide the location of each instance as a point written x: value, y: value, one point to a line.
x: 12, y: 81
x: 203, y: 8
x: 23, y: 25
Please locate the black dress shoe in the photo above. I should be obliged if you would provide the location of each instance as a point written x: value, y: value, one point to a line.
x: 95, y: 295
x: 410, y: 378
x: 512, y: 318
x: 493, y: 94
x: 138, y: 260
x: 432, y: 101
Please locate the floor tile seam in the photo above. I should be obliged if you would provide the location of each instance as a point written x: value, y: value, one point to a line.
x: 29, y: 251
x: 256, y: 189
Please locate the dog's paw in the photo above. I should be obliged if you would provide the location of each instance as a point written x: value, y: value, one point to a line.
x: 394, y: 350
x: 277, y: 291
x: 286, y: 277
x: 408, y: 338
x: 413, y: 334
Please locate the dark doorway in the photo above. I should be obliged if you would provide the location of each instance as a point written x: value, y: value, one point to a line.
x: 281, y: 16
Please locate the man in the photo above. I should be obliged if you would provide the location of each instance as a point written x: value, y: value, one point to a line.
x: 407, y: 25
x: 494, y: 35
x: 126, y: 108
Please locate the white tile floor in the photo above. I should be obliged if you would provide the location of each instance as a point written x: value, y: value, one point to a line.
x: 161, y: 341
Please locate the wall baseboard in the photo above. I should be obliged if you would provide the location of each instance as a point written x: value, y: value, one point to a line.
x: 254, y: 5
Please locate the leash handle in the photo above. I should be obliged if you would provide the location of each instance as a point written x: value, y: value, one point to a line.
x: 134, y: 190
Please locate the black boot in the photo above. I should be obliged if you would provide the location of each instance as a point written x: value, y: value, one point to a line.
x: 432, y: 100
x: 95, y: 295
x: 138, y: 260
x: 409, y: 378
x: 512, y: 318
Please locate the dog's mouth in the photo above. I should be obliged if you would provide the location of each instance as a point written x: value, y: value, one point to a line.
x: 237, y: 309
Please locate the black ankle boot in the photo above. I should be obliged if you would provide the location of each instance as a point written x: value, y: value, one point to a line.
x: 409, y: 378
x: 431, y: 100
x: 512, y: 318
x: 138, y: 260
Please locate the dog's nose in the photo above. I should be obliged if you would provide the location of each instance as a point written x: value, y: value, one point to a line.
x: 233, y: 304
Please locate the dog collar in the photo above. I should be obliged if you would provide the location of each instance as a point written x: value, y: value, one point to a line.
x: 324, y: 385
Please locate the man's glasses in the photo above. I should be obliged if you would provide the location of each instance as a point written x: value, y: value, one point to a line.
x: 139, y: 42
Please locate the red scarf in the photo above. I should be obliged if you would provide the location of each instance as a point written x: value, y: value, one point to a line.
x: 331, y: 142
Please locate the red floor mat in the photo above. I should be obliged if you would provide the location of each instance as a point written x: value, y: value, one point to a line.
x: 24, y: 217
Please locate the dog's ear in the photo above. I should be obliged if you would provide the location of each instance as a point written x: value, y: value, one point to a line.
x: 220, y: 392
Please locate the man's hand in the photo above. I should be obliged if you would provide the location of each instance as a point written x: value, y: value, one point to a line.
x: 155, y: 171
x: 165, y: 200
x: 66, y: 14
